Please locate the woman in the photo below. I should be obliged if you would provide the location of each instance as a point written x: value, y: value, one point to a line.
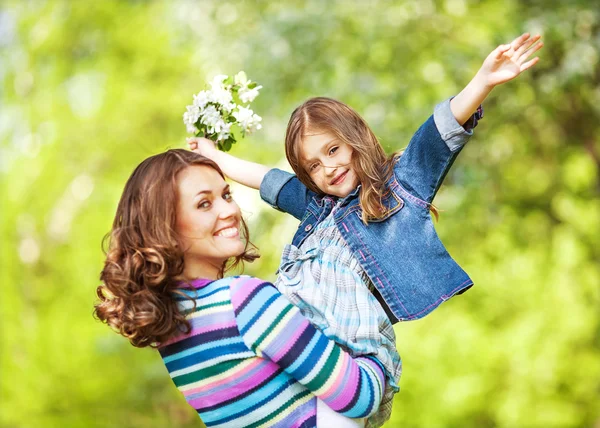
x: 241, y: 354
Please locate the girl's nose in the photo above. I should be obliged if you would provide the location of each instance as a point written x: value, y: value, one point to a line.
x: 329, y: 170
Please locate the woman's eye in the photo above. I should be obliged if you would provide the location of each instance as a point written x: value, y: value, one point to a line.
x: 204, y: 204
x: 228, y: 196
x: 332, y: 150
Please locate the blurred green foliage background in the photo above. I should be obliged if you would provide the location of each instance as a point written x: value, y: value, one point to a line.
x: 91, y: 88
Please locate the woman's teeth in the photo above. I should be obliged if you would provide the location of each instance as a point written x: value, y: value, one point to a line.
x: 227, y: 233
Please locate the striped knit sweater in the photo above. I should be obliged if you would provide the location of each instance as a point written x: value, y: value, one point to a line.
x: 253, y: 360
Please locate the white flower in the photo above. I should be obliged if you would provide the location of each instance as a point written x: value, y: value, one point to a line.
x: 243, y: 115
x: 191, y: 115
x: 221, y: 124
x: 241, y: 79
x: 256, y: 126
x: 223, y: 97
x: 228, y: 108
x: 247, y: 95
x: 224, y: 132
x: 191, y: 129
x: 202, y: 98
x: 213, y: 110
x: 218, y: 82
x: 210, y: 115
x: 247, y: 120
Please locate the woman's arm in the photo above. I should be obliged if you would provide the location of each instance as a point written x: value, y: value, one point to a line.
x: 505, y: 63
x: 275, y: 329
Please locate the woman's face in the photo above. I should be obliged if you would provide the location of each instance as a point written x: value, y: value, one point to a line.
x: 208, y: 222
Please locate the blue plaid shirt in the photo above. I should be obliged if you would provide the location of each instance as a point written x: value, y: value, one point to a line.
x: 326, y: 282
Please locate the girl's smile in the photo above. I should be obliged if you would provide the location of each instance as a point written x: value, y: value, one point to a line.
x: 339, y: 179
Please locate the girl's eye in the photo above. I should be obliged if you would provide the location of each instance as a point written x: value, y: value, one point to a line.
x: 332, y: 150
x: 204, y: 205
x: 228, y: 196
x: 313, y: 167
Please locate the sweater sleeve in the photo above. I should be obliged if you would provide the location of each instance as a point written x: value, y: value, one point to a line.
x: 275, y: 329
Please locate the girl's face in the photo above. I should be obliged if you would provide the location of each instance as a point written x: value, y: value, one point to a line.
x: 327, y: 160
x: 208, y: 222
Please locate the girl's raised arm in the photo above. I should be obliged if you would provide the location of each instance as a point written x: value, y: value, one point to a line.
x: 248, y: 173
x: 503, y: 64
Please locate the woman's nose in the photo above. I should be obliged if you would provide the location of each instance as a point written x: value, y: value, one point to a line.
x: 228, y: 209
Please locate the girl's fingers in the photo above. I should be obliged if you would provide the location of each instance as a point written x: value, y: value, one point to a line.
x: 527, y: 44
x: 528, y: 53
x: 529, y: 64
x: 516, y: 43
x: 500, y: 50
x: 192, y: 142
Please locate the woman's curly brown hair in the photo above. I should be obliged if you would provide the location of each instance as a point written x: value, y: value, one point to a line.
x: 144, y: 256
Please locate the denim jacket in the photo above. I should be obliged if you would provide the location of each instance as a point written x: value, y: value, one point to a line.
x: 401, y: 252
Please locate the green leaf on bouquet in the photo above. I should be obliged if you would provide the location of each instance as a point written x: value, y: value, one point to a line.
x: 252, y: 85
x: 228, y: 143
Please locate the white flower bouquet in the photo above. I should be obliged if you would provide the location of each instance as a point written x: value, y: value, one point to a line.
x: 217, y: 109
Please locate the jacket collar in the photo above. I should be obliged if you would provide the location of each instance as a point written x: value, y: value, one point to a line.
x: 320, y: 199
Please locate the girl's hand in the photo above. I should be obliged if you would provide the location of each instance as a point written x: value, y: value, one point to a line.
x: 508, y: 61
x: 202, y: 146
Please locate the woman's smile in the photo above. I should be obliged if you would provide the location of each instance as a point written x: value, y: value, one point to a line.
x: 228, y: 232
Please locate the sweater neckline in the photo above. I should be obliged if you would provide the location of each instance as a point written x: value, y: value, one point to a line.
x: 197, y: 283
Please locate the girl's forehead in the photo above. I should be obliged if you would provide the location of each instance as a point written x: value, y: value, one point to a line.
x: 313, y: 143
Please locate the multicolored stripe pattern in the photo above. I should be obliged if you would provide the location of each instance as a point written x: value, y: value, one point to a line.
x: 253, y: 360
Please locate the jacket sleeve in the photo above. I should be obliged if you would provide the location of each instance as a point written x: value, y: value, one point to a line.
x: 284, y: 192
x: 275, y: 329
x: 422, y: 167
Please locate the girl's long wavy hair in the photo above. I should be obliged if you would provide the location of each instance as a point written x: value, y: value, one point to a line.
x: 369, y: 161
x: 144, y: 254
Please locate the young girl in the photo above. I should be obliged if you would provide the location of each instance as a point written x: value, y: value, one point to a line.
x: 366, y: 254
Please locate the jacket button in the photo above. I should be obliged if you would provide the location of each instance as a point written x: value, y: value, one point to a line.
x: 308, y: 227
